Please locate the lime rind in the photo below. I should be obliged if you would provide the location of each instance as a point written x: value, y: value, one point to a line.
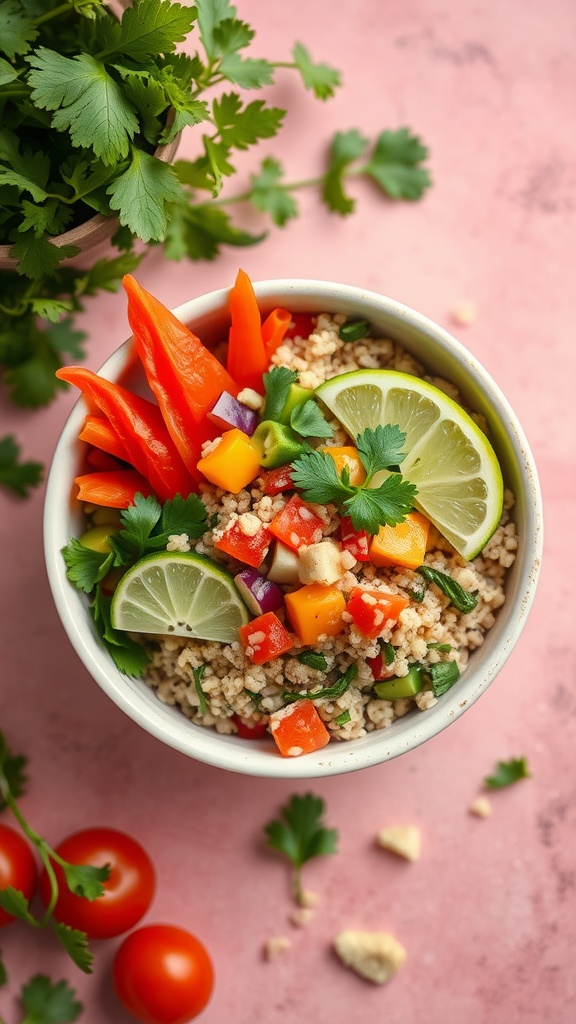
x: 448, y: 457
x: 179, y: 594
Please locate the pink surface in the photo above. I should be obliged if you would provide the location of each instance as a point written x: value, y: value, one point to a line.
x: 487, y: 914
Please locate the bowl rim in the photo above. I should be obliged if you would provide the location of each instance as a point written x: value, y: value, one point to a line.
x: 170, y: 725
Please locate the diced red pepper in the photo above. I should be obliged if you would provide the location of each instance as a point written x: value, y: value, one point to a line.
x: 243, y: 547
x: 298, y: 729
x: 141, y: 429
x: 98, y: 459
x: 248, y: 729
x: 357, y: 542
x: 114, y: 488
x: 371, y: 610
x: 297, y: 524
x: 378, y: 667
x: 302, y: 326
x: 278, y: 480
x: 99, y: 432
x: 247, y: 359
x: 265, y: 638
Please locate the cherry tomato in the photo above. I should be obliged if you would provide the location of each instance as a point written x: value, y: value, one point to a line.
x: 17, y: 867
x: 127, y: 892
x: 163, y: 975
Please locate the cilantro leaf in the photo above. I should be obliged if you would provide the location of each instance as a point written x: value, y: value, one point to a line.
x: 395, y: 164
x: 15, y: 903
x: 13, y: 778
x: 315, y: 474
x: 462, y: 599
x: 84, y: 566
x: 75, y: 943
x: 147, y: 27
x: 338, y: 689
x: 308, y: 421
x: 182, y: 515
x: 267, y: 195
x: 7, y: 72
x: 147, y: 525
x: 128, y: 655
x: 300, y: 834
x: 246, y: 72
x: 508, y: 772
x: 17, y: 476
x: 442, y: 676
x: 18, y: 29
x: 380, y: 448
x: 138, y: 522
x: 86, y: 101
x: 37, y: 257
x: 346, y: 147
x: 85, y: 880
x: 320, y: 78
x: 240, y: 127
x: 199, y: 231
x: 211, y: 14
x: 49, y: 1003
x: 277, y: 383
x: 372, y: 507
x: 141, y: 195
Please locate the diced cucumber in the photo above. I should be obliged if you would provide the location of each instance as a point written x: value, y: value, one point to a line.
x: 400, y: 686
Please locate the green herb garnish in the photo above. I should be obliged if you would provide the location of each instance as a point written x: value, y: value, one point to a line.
x: 313, y: 659
x: 369, y: 508
x: 308, y: 421
x: 353, y: 330
x: 17, y: 476
x: 462, y: 599
x: 199, y: 674
x: 300, y: 835
x: 343, y: 719
x: 508, y: 772
x: 442, y: 676
x: 47, y: 1002
x: 388, y: 652
x: 329, y: 692
x: 277, y: 383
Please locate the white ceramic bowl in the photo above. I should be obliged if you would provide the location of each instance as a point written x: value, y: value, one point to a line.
x: 443, y: 355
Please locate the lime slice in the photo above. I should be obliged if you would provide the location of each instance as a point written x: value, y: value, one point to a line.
x: 179, y: 594
x: 448, y: 457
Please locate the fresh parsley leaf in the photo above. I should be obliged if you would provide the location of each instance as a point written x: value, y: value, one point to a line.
x: 372, y: 507
x: 442, y: 676
x: 13, y: 778
x: 37, y: 257
x: 199, y: 231
x: 18, y: 29
x: 508, y: 772
x: 462, y: 599
x: 7, y: 72
x: 142, y: 193
x: 313, y: 659
x: 256, y: 698
x: 246, y: 72
x: 75, y: 943
x: 315, y: 474
x: 84, y: 566
x: 277, y: 383
x: 147, y: 27
x: 381, y: 448
x: 388, y: 652
x: 211, y: 13
x: 300, y: 834
x: 240, y: 127
x: 395, y: 164
x: 308, y: 421
x: 138, y: 522
x: 338, y: 689
x: 84, y: 879
x: 269, y: 196
x: 147, y: 525
x: 320, y: 78
x: 19, y: 477
x: 346, y: 147
x: 128, y: 655
x: 49, y: 1003
x: 198, y: 674
x: 444, y: 648
x: 15, y: 903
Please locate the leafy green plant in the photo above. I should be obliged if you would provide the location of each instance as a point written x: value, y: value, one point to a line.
x: 85, y: 102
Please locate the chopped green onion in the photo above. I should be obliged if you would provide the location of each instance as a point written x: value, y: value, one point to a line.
x: 444, y: 648
x: 343, y: 718
x: 353, y: 330
x: 462, y: 599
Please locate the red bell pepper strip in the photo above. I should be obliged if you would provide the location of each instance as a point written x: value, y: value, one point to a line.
x: 303, y: 325
x: 98, y: 459
x: 141, y: 429
x: 185, y: 377
x: 274, y: 328
x: 99, y: 433
x: 247, y: 359
x: 113, y: 488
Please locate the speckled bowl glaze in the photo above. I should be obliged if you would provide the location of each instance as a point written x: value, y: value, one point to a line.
x: 443, y: 355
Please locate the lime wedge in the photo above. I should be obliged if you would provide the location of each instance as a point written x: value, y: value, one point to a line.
x: 448, y: 457
x: 179, y: 594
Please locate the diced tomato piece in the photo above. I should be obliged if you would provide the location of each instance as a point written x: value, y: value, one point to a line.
x: 248, y: 729
x: 297, y: 524
x: 298, y: 729
x: 243, y: 547
x: 354, y: 541
x: 371, y: 610
x: 278, y: 480
x: 265, y: 638
x: 302, y: 326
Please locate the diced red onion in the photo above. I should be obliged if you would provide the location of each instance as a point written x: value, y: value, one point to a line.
x: 259, y: 594
x: 228, y: 412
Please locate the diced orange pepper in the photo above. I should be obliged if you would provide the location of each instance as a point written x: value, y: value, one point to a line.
x: 372, y: 609
x: 314, y: 611
x: 298, y: 729
x: 347, y: 458
x: 265, y: 638
x: 234, y: 462
x: 296, y: 524
x: 404, y: 544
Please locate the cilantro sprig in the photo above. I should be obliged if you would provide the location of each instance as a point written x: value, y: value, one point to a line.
x: 508, y: 772
x: 300, y: 834
x: 47, y: 1002
x: 369, y: 507
x: 17, y: 476
x: 83, y: 880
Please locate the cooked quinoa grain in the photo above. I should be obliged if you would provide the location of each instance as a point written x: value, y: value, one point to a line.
x: 428, y: 631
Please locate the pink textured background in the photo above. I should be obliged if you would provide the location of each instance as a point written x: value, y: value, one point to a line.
x: 487, y: 915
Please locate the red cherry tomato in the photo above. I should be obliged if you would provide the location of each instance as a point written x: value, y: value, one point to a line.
x: 17, y: 867
x: 127, y: 892
x: 163, y: 975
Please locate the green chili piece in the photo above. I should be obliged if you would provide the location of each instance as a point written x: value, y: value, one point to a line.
x: 353, y: 330
x: 278, y: 443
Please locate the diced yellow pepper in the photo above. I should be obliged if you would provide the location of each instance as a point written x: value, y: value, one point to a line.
x: 234, y: 463
x: 348, y: 457
x: 404, y: 544
x: 314, y: 611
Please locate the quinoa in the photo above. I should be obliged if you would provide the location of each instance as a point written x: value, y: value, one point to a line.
x: 235, y: 688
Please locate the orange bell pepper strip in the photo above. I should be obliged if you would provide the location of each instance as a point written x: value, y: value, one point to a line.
x: 139, y: 425
x: 113, y: 488
x: 247, y: 359
x: 274, y: 329
x: 98, y: 432
x: 298, y: 729
x: 184, y: 376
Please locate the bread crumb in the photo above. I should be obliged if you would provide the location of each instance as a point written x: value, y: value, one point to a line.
x: 404, y: 840
x: 376, y: 956
x: 251, y: 398
x: 465, y: 313
x: 276, y: 945
x: 308, y: 898
x: 301, y: 917
x: 481, y: 807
